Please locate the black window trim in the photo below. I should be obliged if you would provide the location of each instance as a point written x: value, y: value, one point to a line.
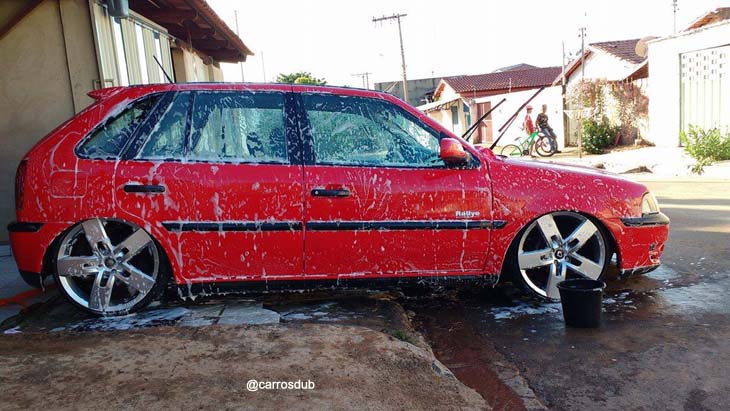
x: 292, y: 147
x: 134, y: 134
x: 309, y: 157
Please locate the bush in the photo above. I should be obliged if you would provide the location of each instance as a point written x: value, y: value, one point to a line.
x: 597, y: 135
x: 706, y: 146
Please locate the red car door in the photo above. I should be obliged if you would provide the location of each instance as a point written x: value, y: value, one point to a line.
x: 380, y: 202
x: 213, y: 178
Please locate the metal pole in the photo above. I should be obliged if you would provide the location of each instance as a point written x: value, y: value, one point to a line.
x: 583, y: 79
x: 403, y: 62
x: 240, y: 63
x: 402, y: 50
x: 675, y: 6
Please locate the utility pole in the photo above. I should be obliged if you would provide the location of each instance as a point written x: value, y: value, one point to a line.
x: 240, y: 63
x: 675, y: 7
x: 402, y: 52
x: 582, y: 36
x: 365, y: 78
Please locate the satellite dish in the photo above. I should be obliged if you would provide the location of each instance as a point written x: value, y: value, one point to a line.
x: 642, y: 49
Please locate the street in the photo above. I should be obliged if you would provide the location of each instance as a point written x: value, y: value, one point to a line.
x: 664, y: 343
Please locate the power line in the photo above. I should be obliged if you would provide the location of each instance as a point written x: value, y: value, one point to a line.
x: 402, y: 52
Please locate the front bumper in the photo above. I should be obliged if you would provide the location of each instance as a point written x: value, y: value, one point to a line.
x: 649, y: 220
x: 641, y: 243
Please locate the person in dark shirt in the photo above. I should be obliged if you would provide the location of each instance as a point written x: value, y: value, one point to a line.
x: 544, y: 127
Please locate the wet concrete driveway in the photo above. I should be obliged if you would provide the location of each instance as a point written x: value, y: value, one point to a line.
x: 664, y: 343
x: 665, y: 339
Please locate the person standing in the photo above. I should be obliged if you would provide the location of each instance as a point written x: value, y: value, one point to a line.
x: 529, y: 128
x: 527, y: 123
x: 544, y: 127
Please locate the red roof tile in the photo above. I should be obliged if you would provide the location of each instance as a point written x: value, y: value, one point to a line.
x: 536, y: 77
x: 623, y: 49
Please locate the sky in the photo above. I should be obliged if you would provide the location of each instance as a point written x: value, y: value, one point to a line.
x: 336, y: 40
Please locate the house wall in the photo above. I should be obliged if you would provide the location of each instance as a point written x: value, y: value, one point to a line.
x: 48, y: 64
x: 189, y: 67
x: 664, y: 70
x: 416, y: 89
x: 601, y: 65
x: 552, y: 96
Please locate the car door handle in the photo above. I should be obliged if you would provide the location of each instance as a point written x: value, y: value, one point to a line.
x: 325, y: 192
x: 142, y: 188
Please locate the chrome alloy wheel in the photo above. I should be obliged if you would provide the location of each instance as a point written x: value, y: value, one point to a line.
x: 560, y: 246
x: 107, y: 266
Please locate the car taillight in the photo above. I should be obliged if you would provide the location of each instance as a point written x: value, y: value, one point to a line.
x: 19, y: 183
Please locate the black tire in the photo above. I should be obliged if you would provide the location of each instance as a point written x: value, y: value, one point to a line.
x: 511, y: 150
x: 545, y: 147
x: 599, y: 244
x: 154, y: 294
x: 32, y: 279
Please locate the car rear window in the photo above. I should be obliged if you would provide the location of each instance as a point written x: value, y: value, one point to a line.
x: 108, y: 140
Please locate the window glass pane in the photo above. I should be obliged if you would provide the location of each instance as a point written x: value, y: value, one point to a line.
x: 167, y: 138
x: 142, y: 54
x: 362, y: 131
x: 121, y: 59
x: 247, y: 127
x: 109, y: 140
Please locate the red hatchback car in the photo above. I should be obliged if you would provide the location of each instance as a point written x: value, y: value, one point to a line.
x: 272, y: 185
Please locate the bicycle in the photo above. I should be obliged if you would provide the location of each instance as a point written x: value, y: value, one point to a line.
x: 544, y: 146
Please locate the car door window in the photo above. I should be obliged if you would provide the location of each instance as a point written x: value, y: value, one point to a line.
x: 168, y: 136
x: 368, y: 132
x: 239, y: 127
x: 108, y: 140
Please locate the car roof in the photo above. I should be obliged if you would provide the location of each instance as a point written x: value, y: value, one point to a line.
x: 151, y: 88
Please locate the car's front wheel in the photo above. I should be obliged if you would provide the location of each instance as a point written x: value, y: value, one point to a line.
x: 108, y: 266
x: 559, y: 246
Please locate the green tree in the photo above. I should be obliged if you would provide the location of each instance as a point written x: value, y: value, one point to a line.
x: 300, y: 77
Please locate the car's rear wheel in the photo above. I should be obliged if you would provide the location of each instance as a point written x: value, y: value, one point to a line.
x: 559, y: 246
x: 108, y: 266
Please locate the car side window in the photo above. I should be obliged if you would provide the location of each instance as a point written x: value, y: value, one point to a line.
x: 108, y: 140
x: 238, y: 126
x: 368, y: 132
x: 168, y: 136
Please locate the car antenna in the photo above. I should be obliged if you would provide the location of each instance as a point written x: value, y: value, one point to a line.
x: 511, y: 120
x: 470, y: 131
x: 162, y: 68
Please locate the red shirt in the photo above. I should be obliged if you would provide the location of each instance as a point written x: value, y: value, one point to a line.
x: 529, y: 127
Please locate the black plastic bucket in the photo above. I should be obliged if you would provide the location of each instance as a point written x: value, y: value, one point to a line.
x: 581, y: 301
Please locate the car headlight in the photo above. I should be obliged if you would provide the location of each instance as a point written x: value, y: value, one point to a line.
x: 649, y: 204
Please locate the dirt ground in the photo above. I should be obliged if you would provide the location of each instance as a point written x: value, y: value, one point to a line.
x: 208, y: 368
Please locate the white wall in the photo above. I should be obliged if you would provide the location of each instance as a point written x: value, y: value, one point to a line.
x: 664, y: 66
x: 601, y: 65
x: 551, y: 96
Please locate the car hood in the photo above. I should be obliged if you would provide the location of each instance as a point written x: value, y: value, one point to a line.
x: 562, y: 167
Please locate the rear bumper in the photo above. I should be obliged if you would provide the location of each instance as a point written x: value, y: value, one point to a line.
x: 640, y: 242
x: 29, y: 242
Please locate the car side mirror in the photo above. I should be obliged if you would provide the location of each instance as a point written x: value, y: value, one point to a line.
x: 452, y: 152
